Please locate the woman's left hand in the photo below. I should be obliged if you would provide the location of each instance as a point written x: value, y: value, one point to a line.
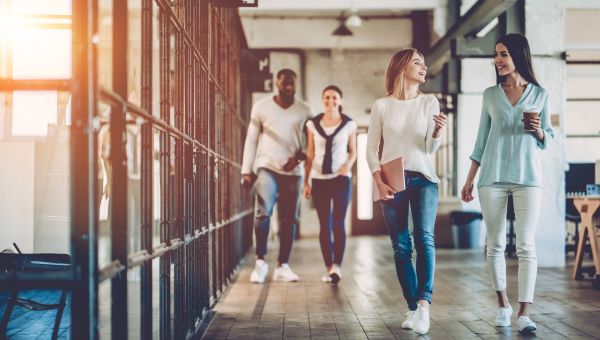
x: 536, y: 125
x: 440, y: 122
x: 343, y: 171
x: 307, y: 190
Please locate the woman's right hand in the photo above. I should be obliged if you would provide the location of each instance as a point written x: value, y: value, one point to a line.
x: 307, y: 190
x: 385, y: 191
x: 467, y: 191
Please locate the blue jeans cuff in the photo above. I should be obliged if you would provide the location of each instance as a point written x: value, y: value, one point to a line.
x: 425, y: 296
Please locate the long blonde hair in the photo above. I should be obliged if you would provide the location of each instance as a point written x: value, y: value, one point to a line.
x: 394, y: 77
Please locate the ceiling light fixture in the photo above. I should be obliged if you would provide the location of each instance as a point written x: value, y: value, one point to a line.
x: 353, y: 20
x: 342, y: 30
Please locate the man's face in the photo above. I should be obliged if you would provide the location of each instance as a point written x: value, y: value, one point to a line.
x: 286, y: 85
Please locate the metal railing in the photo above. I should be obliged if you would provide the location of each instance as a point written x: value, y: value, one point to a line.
x: 195, y: 138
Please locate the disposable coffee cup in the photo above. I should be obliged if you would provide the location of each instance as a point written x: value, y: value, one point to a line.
x: 528, y: 113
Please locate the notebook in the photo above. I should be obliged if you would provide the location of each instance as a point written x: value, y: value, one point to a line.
x: 392, y: 174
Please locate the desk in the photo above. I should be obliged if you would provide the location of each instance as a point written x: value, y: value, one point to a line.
x: 590, y: 217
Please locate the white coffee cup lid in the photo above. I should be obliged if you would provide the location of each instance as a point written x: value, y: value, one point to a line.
x: 529, y: 107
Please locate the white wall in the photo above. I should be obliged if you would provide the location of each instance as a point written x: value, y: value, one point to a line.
x: 545, y: 28
x: 358, y: 73
x: 476, y: 76
x: 52, y: 219
x: 17, y: 196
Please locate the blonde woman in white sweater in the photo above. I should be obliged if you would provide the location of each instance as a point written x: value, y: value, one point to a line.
x: 408, y: 122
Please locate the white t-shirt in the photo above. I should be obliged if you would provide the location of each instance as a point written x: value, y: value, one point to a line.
x: 339, y: 149
x: 274, y: 135
x: 406, y: 127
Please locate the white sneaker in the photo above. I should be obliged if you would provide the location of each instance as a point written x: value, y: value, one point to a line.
x: 285, y: 274
x: 410, y: 318
x: 421, y: 321
x: 503, y: 316
x: 526, y: 325
x: 259, y: 274
x: 335, y: 273
x: 326, y: 278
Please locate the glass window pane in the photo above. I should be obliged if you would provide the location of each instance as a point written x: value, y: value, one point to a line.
x: 34, y: 180
x: 41, y: 54
x: 578, y: 34
x: 33, y: 111
x: 583, y: 117
x: 583, y: 149
x: 104, y: 309
x: 105, y: 46
x: 134, y: 222
x: 155, y: 60
x: 134, y: 52
x: 134, y: 302
x: 583, y: 81
x: 104, y: 191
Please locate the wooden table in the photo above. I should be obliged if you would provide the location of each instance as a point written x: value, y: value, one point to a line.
x: 590, y: 218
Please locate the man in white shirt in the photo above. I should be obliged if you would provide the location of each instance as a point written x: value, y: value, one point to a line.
x: 272, y: 153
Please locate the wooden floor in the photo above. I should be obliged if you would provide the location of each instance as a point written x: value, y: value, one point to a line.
x: 368, y: 303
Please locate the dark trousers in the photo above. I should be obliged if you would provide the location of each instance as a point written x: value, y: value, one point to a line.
x: 331, y: 198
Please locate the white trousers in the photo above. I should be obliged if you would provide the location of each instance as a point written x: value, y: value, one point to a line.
x: 526, y: 201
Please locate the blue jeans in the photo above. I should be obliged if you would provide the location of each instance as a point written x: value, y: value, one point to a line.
x: 271, y: 187
x: 423, y: 198
x: 332, y: 219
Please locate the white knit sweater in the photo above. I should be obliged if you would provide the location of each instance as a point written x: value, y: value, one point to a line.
x: 406, y: 127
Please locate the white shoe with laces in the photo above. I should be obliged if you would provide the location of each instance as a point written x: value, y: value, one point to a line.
x: 526, y: 325
x: 410, y: 318
x: 259, y: 274
x: 421, y: 321
x: 285, y: 274
x: 503, y: 316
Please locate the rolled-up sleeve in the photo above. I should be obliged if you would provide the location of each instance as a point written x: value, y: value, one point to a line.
x: 482, y: 133
x: 546, y: 126
x: 373, y: 138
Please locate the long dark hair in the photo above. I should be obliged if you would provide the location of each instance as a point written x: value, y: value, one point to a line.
x: 334, y: 88
x: 518, y: 48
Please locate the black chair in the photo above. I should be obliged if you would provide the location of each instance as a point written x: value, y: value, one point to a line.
x: 572, y: 215
x: 32, y: 263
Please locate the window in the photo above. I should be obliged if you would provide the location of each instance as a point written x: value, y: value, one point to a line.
x: 35, y: 44
x: 582, y: 113
x: 582, y: 118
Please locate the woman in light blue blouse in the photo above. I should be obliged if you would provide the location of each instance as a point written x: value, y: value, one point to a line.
x: 507, y: 151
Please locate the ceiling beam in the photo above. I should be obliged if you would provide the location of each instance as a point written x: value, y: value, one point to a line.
x: 482, y: 12
x: 319, y: 5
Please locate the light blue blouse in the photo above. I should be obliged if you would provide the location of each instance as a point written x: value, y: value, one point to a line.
x: 505, y: 152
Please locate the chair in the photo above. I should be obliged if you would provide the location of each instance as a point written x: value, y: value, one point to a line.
x: 33, y: 263
x: 572, y: 215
